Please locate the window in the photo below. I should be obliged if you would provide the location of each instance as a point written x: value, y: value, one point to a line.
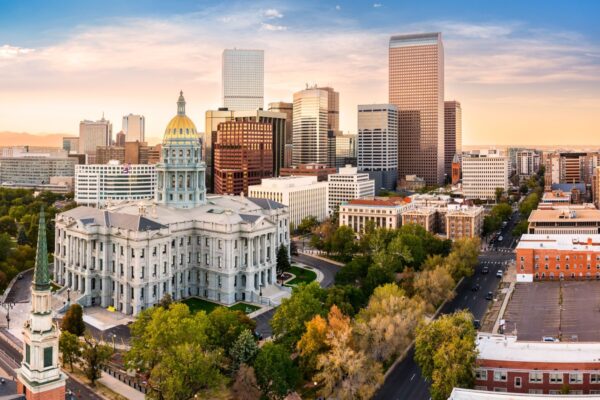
x: 47, y: 357
x: 500, y: 376
x: 518, y: 382
x: 499, y: 389
x: 536, y: 377
x: 536, y: 391
x: 481, y: 374
x: 576, y: 377
x: 27, y: 354
x: 556, y: 377
x: 594, y: 378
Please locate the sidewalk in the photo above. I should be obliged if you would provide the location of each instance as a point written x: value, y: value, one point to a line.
x: 119, y: 387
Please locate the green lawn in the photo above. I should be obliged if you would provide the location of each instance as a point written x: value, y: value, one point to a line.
x: 196, y: 305
x: 302, y: 276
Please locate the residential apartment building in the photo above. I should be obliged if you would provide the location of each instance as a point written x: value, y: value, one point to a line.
x: 346, y: 185
x: 483, y: 172
x: 304, y: 196
x: 377, y: 152
x: 452, y: 134
x: 93, y: 134
x: 423, y: 216
x: 243, y: 155
x: 383, y: 212
x: 321, y: 171
x: 243, y: 78
x: 528, y: 163
x: 97, y: 185
x: 311, y: 123
x: 134, y: 127
x: 416, y: 88
x: 463, y: 221
x: 554, y: 257
x: 505, y: 364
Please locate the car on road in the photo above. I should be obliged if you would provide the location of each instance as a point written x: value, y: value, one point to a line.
x: 500, y: 238
x: 499, y: 273
x: 485, y: 270
x: 489, y: 296
x: 476, y: 324
x: 550, y: 339
x: 475, y: 287
x: 20, y: 276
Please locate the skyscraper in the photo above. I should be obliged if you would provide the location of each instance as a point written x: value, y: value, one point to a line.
x: 416, y: 87
x: 452, y: 133
x: 243, y: 79
x: 134, y: 127
x: 93, y: 134
x: 310, y: 126
x: 288, y: 110
x: 378, y: 143
x: 333, y: 108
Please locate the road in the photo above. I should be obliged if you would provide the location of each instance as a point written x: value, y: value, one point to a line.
x: 328, y: 269
x: 405, y: 380
x: 21, y: 289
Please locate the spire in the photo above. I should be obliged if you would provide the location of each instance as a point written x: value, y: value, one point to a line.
x: 41, y: 276
x: 181, y: 104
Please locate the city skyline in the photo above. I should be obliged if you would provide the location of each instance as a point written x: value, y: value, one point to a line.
x: 507, y: 68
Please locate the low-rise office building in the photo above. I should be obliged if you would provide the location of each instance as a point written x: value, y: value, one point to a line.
x: 483, y: 172
x: 384, y: 212
x: 35, y: 170
x: 99, y: 184
x: 565, y: 220
x: 305, y: 196
x: 348, y: 184
x: 321, y: 171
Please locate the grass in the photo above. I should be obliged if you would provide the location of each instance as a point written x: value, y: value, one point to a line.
x: 196, y: 304
x: 302, y: 276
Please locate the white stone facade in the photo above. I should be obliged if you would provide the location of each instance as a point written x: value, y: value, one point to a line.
x: 348, y: 184
x: 483, y: 172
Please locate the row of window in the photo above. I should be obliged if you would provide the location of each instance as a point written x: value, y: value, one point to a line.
x: 500, y: 375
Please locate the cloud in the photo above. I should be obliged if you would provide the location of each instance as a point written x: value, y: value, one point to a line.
x: 271, y: 27
x: 9, y: 52
x: 377, y: 5
x: 338, y: 7
x: 272, y: 13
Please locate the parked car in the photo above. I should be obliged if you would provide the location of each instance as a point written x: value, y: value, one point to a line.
x: 500, y: 238
x: 550, y: 339
x: 475, y: 287
x: 476, y: 324
x: 499, y: 273
x: 489, y: 296
x: 485, y: 270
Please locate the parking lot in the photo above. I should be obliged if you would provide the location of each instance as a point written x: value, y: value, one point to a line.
x: 569, y: 311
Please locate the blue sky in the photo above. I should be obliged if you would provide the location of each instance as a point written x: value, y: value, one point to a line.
x: 508, y: 62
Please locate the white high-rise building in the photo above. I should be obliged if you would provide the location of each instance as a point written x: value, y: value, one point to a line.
x: 378, y: 143
x: 93, y: 134
x: 134, y: 127
x: 310, y: 126
x: 483, y: 172
x: 304, y: 195
x: 98, y: 184
x: 528, y: 163
x: 348, y: 184
x: 243, y: 79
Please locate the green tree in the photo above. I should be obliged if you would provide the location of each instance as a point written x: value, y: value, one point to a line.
x: 491, y: 223
x: 521, y: 228
x: 445, y: 351
x: 94, y: 355
x: 8, y: 225
x: 498, y: 194
x: 6, y: 245
x: 283, y: 260
x: 166, y: 301
x: 243, y: 350
x: 69, y: 347
x: 349, y: 299
x: 377, y: 276
x: 289, y: 319
x: 22, y: 237
x: 307, y: 224
x: 354, y: 272
x: 343, y: 242
x: 462, y: 260
x: 226, y: 325
x: 73, y: 320
x: 276, y: 374
x: 502, y: 211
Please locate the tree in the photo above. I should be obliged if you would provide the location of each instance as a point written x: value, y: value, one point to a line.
x: 22, y: 237
x: 69, y: 347
x: 502, y: 211
x: 307, y: 224
x: 343, y: 242
x: 8, y: 225
x: 445, y: 351
x: 462, y: 260
x: 377, y: 276
x: 344, y: 372
x: 283, y: 260
x: 225, y: 326
x: 166, y: 301
x: 321, y: 236
x: 243, y: 350
x: 434, y: 286
x: 6, y: 245
x: 94, y: 356
x: 245, y: 386
x: 312, y: 344
x: 491, y: 223
x: 498, y: 194
x: 354, y: 272
x: 293, y: 248
x: 289, y: 319
x: 349, y: 299
x: 73, y: 320
x: 386, y: 326
x: 275, y: 373
x: 521, y: 228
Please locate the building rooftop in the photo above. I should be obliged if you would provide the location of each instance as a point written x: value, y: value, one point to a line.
x: 567, y: 310
x: 471, y: 394
x: 507, y: 348
x: 287, y: 182
x: 565, y: 214
x: 573, y: 242
x: 556, y: 195
x: 380, y: 201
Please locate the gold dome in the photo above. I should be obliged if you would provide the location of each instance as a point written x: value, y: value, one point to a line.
x: 181, y: 126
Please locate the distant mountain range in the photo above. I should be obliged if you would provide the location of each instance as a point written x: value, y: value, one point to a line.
x: 28, y: 139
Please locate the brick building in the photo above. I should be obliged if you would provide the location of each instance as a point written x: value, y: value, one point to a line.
x: 243, y: 156
x: 552, y: 257
x: 507, y: 365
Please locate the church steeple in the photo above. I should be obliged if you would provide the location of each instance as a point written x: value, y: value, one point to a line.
x: 181, y: 104
x: 41, y: 276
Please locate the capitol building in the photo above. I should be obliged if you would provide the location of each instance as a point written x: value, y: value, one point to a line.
x: 183, y: 243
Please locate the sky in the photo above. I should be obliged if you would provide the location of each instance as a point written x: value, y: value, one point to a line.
x: 525, y: 72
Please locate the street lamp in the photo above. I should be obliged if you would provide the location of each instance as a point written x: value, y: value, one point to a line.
x: 69, y: 295
x: 8, y: 307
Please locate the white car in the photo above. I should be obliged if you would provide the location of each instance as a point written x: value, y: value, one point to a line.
x: 499, y: 273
